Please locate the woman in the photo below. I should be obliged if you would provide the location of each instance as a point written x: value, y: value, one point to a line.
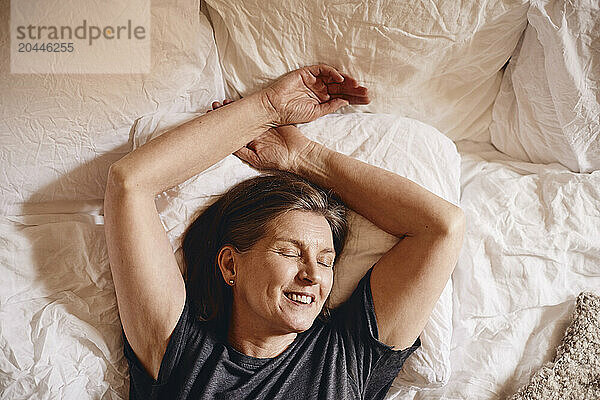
x: 259, y: 261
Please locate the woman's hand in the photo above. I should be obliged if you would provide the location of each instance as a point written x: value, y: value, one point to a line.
x: 310, y: 92
x: 300, y: 96
x: 279, y: 148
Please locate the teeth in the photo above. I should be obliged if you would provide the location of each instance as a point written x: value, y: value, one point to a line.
x: 298, y: 298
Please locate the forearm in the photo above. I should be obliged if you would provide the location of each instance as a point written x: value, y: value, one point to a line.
x: 394, y: 203
x: 192, y: 147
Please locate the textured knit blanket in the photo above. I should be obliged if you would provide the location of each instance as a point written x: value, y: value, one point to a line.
x: 575, y: 371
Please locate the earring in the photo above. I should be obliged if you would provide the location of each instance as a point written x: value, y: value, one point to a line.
x: 231, y: 281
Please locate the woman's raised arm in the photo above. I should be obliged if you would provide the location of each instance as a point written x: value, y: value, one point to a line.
x: 408, y: 280
x: 300, y: 96
x: 190, y: 148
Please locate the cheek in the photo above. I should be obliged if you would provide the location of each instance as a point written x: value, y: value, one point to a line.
x: 279, y: 267
x: 327, y: 282
x: 270, y: 275
x: 253, y: 274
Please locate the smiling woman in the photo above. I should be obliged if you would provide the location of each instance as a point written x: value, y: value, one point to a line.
x: 261, y: 235
x: 245, y: 324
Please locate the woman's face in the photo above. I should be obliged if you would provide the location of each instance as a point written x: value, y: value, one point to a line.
x: 295, y: 256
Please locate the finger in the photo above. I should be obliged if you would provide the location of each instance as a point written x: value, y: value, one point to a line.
x: 332, y: 105
x: 353, y: 99
x: 349, y: 81
x: 320, y: 90
x: 317, y: 88
x: 335, y: 88
x: 325, y: 70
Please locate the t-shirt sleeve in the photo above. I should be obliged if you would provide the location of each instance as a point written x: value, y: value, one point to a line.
x: 372, y: 363
x: 142, y: 385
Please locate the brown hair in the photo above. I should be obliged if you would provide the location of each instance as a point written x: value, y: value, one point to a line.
x: 241, y: 217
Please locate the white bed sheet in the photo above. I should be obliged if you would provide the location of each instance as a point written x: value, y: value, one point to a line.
x: 59, y: 133
x: 448, y: 52
x: 532, y: 245
x: 60, y: 334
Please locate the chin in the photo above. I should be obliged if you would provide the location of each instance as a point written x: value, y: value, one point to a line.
x: 298, y: 320
x: 300, y: 325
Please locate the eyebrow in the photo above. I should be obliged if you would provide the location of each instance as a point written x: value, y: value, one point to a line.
x: 301, y: 245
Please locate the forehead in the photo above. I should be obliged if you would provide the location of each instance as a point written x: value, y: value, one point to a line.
x: 306, y: 227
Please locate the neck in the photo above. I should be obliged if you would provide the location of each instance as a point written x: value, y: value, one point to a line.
x: 256, y: 339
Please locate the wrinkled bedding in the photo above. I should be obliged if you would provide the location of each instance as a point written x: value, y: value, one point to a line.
x: 60, y: 132
x: 548, y: 106
x: 60, y: 334
x: 435, y: 61
x: 532, y: 245
x: 533, y: 230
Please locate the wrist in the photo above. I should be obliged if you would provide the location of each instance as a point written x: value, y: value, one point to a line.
x: 267, y: 109
x: 312, y: 160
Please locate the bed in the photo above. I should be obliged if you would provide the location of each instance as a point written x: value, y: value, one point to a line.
x: 494, y: 106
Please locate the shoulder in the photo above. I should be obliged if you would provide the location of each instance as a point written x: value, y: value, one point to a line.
x: 361, y: 306
x: 191, y: 338
x: 372, y: 363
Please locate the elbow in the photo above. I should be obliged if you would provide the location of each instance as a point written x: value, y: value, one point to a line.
x: 455, y: 223
x: 116, y: 177
x: 122, y: 181
x: 451, y: 223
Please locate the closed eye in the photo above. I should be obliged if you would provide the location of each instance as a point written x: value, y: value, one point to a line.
x: 294, y: 255
x: 289, y: 254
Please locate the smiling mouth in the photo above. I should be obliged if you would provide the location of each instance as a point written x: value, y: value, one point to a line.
x: 298, y: 303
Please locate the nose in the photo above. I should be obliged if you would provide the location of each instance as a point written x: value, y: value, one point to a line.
x: 311, y: 273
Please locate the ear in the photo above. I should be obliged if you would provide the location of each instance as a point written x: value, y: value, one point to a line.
x: 226, y: 262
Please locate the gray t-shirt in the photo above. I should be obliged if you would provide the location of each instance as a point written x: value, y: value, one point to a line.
x: 338, y: 359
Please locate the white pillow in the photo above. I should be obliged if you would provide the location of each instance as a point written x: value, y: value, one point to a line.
x: 407, y: 147
x: 61, y: 132
x: 435, y: 61
x: 548, y: 108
